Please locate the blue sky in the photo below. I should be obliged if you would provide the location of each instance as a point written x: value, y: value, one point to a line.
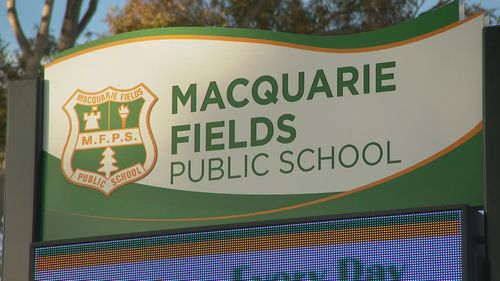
x: 29, y: 13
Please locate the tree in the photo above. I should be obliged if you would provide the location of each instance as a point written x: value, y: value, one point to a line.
x: 473, y: 8
x: 108, y: 162
x: 34, y: 50
x: 138, y: 14
x: 321, y: 17
x: 297, y: 16
x: 318, y: 17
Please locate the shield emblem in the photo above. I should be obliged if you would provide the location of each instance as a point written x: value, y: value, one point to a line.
x: 110, y: 143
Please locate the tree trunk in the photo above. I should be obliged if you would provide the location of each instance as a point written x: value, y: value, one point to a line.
x: 32, y: 67
x: 32, y: 52
x: 69, y: 27
x: 73, y: 26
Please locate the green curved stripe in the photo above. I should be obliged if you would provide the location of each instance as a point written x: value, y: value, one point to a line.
x: 406, y: 30
x: 455, y: 178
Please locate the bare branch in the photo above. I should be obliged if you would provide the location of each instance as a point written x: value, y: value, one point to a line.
x: 18, y: 30
x: 69, y: 28
x: 438, y: 4
x: 43, y: 31
x: 252, y: 14
x: 86, y: 18
x: 46, y: 16
x: 418, y: 8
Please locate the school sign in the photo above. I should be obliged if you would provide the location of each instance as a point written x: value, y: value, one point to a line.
x: 169, y: 128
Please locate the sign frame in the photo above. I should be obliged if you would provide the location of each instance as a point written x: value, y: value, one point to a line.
x: 491, y: 100
x: 22, y: 192
x: 470, y: 232
x: 23, y: 179
x: 66, y: 203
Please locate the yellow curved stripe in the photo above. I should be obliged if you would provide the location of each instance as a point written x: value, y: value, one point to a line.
x: 424, y: 162
x: 264, y: 41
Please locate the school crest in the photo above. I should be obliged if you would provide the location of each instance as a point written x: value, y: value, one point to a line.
x: 110, y: 143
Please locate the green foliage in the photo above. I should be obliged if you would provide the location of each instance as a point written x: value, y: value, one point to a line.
x: 138, y: 14
x: 8, y: 68
x: 295, y: 16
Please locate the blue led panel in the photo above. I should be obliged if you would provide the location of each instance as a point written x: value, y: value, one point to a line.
x: 410, y: 246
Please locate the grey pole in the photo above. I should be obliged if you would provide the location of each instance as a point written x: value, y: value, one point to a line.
x: 22, y: 177
x: 491, y: 56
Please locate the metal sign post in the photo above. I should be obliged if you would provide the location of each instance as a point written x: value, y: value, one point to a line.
x: 492, y: 146
x: 24, y: 123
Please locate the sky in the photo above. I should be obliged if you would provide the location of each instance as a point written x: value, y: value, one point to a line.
x: 29, y: 14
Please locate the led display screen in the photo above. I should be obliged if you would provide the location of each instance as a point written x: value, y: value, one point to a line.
x: 405, y: 246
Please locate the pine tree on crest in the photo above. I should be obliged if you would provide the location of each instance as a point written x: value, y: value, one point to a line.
x: 107, y: 162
